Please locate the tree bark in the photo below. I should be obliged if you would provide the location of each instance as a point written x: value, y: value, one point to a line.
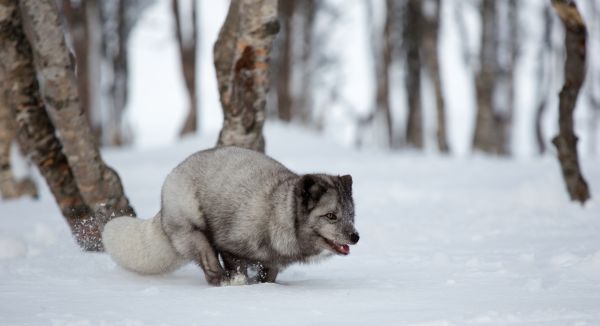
x: 486, y: 131
x: 98, y: 184
x: 412, y: 39
x: 382, y: 100
x: 542, y: 80
x: 284, y: 62
x: 484, y: 138
x: 574, y: 71
x: 242, y: 53
x: 10, y: 187
x: 430, y: 52
x: 303, y: 101
x: 35, y: 131
x: 76, y: 15
x: 187, y: 51
x: 117, y: 134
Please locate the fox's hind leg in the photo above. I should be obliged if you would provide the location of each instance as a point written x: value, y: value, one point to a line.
x: 192, y: 243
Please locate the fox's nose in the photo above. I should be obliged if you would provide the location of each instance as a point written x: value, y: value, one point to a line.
x: 354, y: 238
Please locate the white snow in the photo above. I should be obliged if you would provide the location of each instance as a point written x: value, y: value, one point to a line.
x: 444, y: 241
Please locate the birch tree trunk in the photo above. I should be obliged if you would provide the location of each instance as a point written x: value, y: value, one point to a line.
x: 187, y: 51
x: 35, y: 131
x: 99, y: 185
x: 574, y: 71
x: 242, y: 53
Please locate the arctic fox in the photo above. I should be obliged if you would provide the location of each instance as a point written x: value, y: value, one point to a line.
x: 241, y: 206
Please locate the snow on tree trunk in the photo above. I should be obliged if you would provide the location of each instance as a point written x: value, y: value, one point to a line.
x: 35, y: 131
x: 187, y: 50
x: 99, y: 185
x: 574, y: 74
x: 242, y: 53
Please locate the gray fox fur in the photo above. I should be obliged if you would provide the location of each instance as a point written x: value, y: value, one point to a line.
x: 240, y: 206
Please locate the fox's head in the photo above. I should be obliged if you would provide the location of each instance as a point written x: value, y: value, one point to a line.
x: 326, y: 210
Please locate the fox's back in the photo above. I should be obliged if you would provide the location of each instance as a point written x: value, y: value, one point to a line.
x: 226, y: 178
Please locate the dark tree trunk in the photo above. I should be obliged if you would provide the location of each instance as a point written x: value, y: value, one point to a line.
x: 242, y: 53
x: 118, y: 88
x: 485, y: 136
x: 566, y: 141
x: 430, y: 52
x: 382, y: 100
x: 302, y: 103
x: 494, y: 80
x: 284, y: 62
x: 412, y: 39
x: 188, y: 45
x: 543, y: 81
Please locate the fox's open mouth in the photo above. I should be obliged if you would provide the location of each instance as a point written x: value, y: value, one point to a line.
x: 342, y: 249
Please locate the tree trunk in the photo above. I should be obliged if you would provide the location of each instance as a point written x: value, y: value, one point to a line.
x: 505, y: 91
x: 382, y: 100
x: 430, y: 52
x: 284, y: 62
x: 303, y: 101
x: 574, y: 71
x: 99, y: 185
x: 187, y: 51
x: 241, y: 55
x: 76, y: 15
x: 412, y: 40
x: 485, y: 137
x: 35, y: 131
x: 117, y: 134
x: 9, y: 186
x: 543, y: 81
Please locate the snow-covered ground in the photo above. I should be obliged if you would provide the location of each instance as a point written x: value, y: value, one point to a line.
x: 444, y: 241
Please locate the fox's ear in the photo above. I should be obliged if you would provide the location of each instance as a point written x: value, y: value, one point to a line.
x: 312, y: 188
x: 347, y: 183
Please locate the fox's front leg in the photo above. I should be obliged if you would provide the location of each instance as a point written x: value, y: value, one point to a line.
x: 236, y: 269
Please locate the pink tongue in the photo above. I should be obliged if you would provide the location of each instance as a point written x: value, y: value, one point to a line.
x: 345, y: 249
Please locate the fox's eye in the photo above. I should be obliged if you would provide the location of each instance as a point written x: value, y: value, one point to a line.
x: 331, y: 216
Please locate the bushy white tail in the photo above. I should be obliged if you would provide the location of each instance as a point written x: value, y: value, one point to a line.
x: 140, y: 246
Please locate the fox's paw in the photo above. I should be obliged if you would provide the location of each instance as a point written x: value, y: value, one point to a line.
x: 235, y: 279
